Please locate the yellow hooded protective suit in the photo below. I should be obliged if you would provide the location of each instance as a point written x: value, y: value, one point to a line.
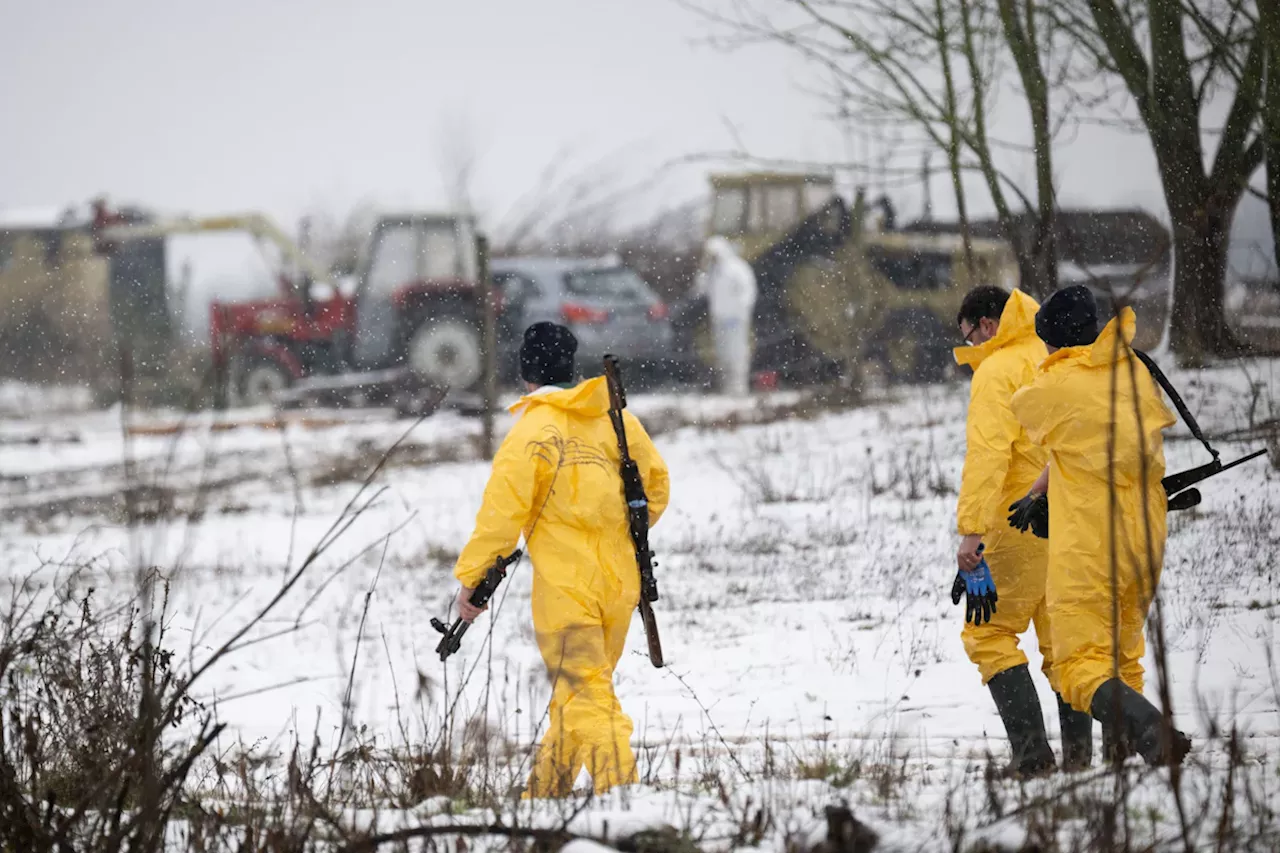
x: 1099, y: 413
x: 1000, y: 464
x: 556, y: 480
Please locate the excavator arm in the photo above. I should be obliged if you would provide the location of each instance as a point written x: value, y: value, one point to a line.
x: 780, y: 344
x: 259, y: 226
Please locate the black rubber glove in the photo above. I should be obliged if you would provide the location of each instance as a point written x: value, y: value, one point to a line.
x: 1032, y: 512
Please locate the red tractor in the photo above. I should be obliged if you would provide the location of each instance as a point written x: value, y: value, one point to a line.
x: 412, y: 321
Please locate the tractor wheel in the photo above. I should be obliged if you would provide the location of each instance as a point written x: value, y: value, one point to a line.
x: 912, y: 346
x: 446, y: 351
x: 260, y: 380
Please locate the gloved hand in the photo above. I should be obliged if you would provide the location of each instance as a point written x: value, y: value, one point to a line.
x: 957, y: 588
x: 1031, y: 512
x: 981, y: 591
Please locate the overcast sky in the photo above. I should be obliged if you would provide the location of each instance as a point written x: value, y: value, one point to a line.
x: 288, y: 106
x: 285, y: 105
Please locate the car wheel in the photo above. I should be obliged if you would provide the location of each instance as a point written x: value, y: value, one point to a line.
x: 446, y: 351
x: 261, y: 381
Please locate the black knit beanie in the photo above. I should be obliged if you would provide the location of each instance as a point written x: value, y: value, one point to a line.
x: 1068, y: 318
x: 546, y: 356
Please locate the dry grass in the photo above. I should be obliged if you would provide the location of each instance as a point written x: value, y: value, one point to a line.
x: 103, y: 748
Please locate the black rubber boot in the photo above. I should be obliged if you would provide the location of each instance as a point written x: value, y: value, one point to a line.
x: 1115, y: 746
x: 1019, y: 707
x: 1141, y: 723
x: 1077, y: 737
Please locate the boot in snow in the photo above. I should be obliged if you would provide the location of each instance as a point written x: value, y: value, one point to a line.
x: 1019, y: 707
x: 1140, y: 721
x: 1077, y: 737
x: 1116, y: 748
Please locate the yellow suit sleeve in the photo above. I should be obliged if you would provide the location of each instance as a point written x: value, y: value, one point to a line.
x: 653, y: 470
x: 1039, y: 409
x: 506, y: 509
x: 989, y: 436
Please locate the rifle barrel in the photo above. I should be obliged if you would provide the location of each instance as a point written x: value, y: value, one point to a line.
x: 1181, y: 480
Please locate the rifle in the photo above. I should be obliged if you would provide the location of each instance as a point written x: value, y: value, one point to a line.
x: 480, y: 596
x: 637, y: 509
x: 1174, y: 484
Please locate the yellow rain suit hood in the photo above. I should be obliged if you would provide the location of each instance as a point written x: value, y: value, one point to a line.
x: 1068, y: 409
x: 556, y: 481
x: 1000, y: 464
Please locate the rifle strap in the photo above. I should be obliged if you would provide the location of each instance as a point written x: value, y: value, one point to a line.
x: 1187, y: 417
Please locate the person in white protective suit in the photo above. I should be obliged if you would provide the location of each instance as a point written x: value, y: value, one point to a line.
x: 729, y: 284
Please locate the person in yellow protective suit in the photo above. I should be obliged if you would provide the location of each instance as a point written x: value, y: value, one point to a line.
x: 1000, y: 465
x: 1099, y: 413
x: 556, y: 480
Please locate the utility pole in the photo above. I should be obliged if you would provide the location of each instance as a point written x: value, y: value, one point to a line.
x: 490, y: 342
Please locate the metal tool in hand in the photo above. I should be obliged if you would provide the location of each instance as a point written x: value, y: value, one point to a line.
x: 480, y: 596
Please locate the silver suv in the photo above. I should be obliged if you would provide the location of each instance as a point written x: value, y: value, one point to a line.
x: 609, y: 308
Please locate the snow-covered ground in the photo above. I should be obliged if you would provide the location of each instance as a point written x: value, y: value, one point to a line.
x: 805, y: 565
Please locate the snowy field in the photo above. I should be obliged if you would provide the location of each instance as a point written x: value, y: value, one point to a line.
x: 814, y: 655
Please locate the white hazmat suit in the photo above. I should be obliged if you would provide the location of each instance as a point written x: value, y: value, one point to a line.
x: 729, y: 284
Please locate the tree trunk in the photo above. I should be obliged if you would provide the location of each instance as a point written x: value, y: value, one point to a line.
x: 1037, y: 269
x: 1273, y: 156
x: 1037, y: 88
x: 1038, y: 257
x: 1198, y: 325
x: 979, y: 143
x: 1201, y: 205
x: 1269, y: 24
x: 953, y: 140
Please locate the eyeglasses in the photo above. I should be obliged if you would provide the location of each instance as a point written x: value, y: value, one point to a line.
x: 968, y: 338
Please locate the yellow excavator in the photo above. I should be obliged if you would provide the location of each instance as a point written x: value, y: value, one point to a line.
x: 837, y: 295
x: 111, y: 235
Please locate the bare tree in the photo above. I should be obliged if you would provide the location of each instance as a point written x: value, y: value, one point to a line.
x: 335, y: 242
x: 576, y: 205
x: 593, y: 212
x: 1269, y: 26
x: 1023, y: 25
x: 457, y: 157
x: 936, y: 66
x: 1176, y: 58
x: 953, y: 128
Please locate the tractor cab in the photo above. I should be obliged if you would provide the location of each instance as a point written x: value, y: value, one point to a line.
x: 754, y: 210
x: 415, y: 291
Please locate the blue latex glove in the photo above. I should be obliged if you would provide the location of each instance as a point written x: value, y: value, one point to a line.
x: 979, y: 590
x: 980, y: 593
